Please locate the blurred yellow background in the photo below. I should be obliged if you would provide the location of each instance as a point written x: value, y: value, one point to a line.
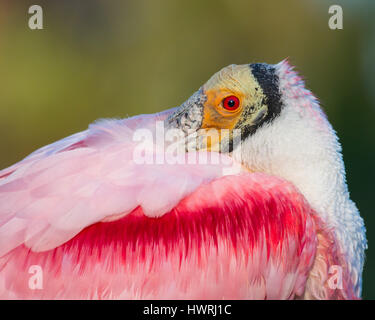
x: 96, y: 59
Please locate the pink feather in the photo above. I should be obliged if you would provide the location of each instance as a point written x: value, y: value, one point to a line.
x: 101, y: 226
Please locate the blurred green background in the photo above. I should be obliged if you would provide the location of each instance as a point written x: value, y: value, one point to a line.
x: 115, y: 58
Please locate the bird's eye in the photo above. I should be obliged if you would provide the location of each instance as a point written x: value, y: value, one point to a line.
x: 231, y: 103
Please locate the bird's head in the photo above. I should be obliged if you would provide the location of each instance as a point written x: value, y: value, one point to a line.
x: 281, y: 128
x: 237, y: 99
x: 283, y: 132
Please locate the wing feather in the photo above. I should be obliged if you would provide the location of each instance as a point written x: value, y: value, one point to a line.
x: 215, y: 243
x: 103, y: 226
x: 60, y: 190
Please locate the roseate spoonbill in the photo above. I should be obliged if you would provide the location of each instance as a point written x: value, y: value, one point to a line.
x: 82, y: 218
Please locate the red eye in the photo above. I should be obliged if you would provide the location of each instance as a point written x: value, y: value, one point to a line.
x: 231, y: 103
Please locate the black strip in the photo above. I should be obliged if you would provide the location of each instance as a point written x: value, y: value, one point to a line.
x: 268, y: 80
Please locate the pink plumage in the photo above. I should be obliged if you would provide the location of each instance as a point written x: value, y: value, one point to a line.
x: 101, y: 226
x: 231, y: 239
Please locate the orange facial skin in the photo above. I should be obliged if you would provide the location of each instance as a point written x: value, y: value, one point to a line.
x: 215, y: 115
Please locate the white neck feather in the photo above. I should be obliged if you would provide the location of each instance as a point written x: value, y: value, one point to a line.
x: 300, y: 146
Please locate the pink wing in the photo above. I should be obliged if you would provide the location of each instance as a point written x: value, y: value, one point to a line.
x: 100, y: 226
